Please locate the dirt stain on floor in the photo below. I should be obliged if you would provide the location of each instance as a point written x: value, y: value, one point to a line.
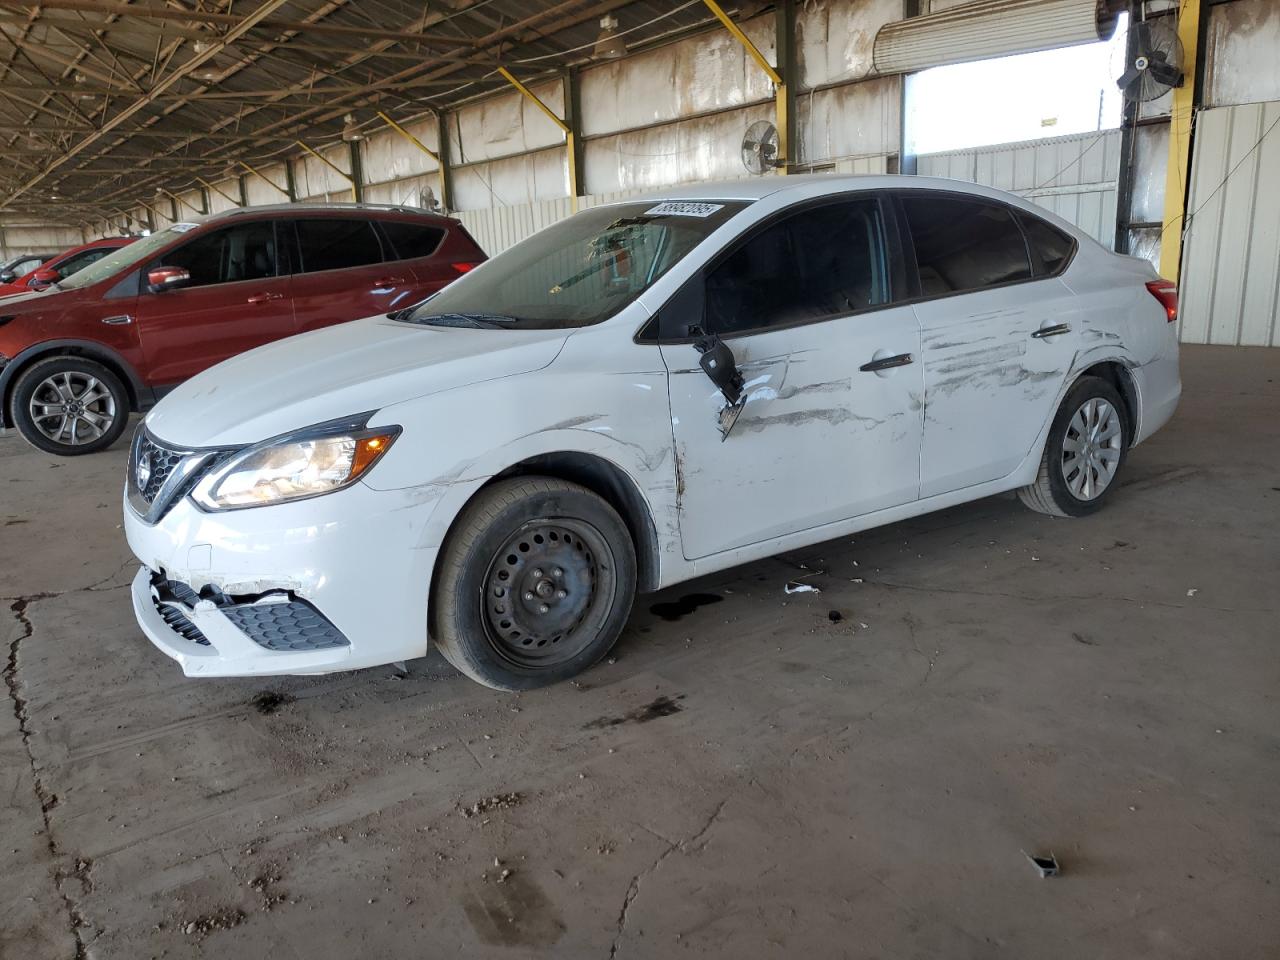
x: 673, y: 610
x: 663, y: 706
x: 514, y: 913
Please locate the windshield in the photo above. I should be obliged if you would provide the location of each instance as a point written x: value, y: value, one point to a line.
x: 578, y: 272
x: 126, y: 256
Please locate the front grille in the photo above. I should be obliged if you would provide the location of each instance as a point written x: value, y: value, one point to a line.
x: 162, y: 462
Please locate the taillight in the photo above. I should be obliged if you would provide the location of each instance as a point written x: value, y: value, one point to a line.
x: 1166, y: 291
x: 464, y: 267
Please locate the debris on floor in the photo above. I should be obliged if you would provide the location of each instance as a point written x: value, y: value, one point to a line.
x: 835, y: 616
x: 1046, y: 866
x: 499, y: 801
x: 793, y: 587
x: 269, y: 701
x: 218, y: 920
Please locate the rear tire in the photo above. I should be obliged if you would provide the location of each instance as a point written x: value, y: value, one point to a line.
x: 69, y: 406
x: 1083, y: 454
x: 534, y: 584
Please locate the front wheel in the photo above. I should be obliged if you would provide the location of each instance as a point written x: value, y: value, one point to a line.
x: 535, y: 583
x: 69, y: 406
x: 1083, y: 455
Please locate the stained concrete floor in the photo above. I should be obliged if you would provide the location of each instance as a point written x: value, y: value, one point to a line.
x: 749, y: 779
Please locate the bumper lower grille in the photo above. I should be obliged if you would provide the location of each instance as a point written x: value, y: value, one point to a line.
x: 166, y: 593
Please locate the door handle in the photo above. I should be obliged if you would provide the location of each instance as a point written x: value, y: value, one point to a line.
x: 388, y: 281
x: 1056, y: 330
x: 887, y: 363
x: 118, y: 321
x: 265, y: 297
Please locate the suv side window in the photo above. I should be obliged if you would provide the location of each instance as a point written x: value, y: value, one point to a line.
x: 823, y: 262
x: 246, y: 251
x: 410, y: 240
x: 963, y: 245
x: 81, y: 260
x: 1050, y: 247
x: 336, y: 244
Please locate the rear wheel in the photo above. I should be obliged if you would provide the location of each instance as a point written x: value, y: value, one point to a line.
x: 69, y: 406
x: 535, y: 583
x: 1083, y: 455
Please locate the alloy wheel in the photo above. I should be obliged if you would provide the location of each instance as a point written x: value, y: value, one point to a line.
x: 72, y: 408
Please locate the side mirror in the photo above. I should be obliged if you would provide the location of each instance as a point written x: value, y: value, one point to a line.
x: 718, y: 363
x: 43, y: 277
x: 8, y: 276
x: 161, y: 279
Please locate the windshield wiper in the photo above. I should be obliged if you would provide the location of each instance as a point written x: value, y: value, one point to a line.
x: 478, y: 321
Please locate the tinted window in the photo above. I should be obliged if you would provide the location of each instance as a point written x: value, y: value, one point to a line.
x: 964, y: 244
x: 337, y: 244
x: 81, y: 260
x: 246, y: 251
x: 1050, y: 247
x: 411, y: 240
x: 823, y: 262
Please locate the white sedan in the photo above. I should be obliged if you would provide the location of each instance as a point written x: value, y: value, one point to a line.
x: 646, y: 392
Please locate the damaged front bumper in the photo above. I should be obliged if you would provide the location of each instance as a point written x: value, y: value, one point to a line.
x: 332, y: 583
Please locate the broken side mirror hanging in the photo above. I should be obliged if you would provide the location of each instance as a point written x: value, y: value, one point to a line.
x: 721, y: 368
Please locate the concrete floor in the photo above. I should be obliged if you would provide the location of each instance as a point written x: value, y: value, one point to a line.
x: 748, y: 780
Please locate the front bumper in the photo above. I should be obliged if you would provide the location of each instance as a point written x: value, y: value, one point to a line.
x: 353, y: 563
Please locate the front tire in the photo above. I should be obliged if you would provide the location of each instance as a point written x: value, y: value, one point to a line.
x: 534, y: 584
x: 1083, y: 455
x: 69, y: 406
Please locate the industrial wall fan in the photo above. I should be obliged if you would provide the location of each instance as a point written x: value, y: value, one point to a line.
x: 1153, y: 60
x: 760, y: 147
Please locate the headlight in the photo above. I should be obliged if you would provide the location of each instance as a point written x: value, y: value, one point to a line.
x: 296, y: 466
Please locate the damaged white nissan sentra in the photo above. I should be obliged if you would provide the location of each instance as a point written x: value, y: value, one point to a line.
x: 646, y: 392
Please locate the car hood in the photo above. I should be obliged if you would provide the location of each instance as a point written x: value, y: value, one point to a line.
x: 337, y: 372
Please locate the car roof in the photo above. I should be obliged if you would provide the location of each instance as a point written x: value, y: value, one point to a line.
x: 757, y: 188
x: 306, y: 209
x: 93, y: 244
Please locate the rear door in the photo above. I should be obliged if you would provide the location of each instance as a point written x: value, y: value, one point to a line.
x: 831, y: 424
x: 341, y: 273
x: 424, y: 250
x: 238, y: 299
x: 998, y: 336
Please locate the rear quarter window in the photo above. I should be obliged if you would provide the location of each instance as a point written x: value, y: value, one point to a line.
x: 1051, y: 249
x: 410, y: 241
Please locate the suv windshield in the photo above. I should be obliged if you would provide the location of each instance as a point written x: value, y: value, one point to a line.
x: 126, y: 256
x: 578, y: 272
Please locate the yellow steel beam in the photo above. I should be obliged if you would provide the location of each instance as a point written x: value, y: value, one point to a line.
x: 178, y: 199
x: 1178, y: 170
x: 551, y: 114
x: 210, y: 186
x: 334, y: 167
x: 743, y: 39
x: 262, y: 176
x: 444, y: 184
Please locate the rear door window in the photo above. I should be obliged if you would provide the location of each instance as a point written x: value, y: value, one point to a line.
x: 963, y: 245
x: 246, y: 251
x: 822, y: 262
x: 336, y: 244
x: 81, y: 260
x: 409, y: 241
x: 1051, y: 249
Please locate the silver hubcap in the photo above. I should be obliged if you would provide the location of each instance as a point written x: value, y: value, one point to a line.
x: 72, y: 408
x: 1091, y: 449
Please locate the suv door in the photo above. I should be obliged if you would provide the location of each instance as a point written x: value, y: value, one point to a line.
x: 829, y: 429
x: 341, y: 274
x: 237, y: 299
x: 998, y: 338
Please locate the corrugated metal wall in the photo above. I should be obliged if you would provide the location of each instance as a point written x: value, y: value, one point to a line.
x: 1231, y: 248
x: 1073, y: 176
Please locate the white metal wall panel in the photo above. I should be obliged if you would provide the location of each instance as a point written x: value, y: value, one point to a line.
x: 505, y: 125
x: 849, y: 121
x: 388, y: 156
x: 982, y: 30
x: 1230, y: 286
x: 1075, y: 176
x: 512, y: 181
x: 835, y: 38
x: 18, y: 238
x: 1241, y: 62
x: 262, y: 193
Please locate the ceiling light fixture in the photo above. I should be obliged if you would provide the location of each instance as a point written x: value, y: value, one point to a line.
x: 609, y: 46
x: 350, y: 132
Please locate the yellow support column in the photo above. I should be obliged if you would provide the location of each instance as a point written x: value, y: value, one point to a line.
x: 569, y: 141
x: 1180, y: 122
x: 781, y: 94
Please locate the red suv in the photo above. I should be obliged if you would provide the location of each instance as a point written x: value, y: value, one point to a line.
x: 63, y: 265
x: 76, y: 357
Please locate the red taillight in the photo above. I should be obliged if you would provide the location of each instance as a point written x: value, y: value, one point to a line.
x: 1166, y: 291
x: 465, y: 267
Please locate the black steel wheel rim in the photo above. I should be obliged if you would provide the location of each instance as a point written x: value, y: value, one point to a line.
x: 548, y: 591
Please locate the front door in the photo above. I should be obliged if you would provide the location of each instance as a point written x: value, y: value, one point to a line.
x: 831, y: 424
x: 235, y: 301
x: 997, y: 341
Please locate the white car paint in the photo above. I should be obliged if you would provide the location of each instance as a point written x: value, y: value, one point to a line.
x: 820, y: 449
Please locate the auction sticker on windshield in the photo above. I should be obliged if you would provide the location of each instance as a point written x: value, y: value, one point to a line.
x: 672, y: 208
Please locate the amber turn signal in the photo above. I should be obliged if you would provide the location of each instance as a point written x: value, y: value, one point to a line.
x: 368, y: 450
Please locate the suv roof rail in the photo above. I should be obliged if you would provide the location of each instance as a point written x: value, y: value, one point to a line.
x: 325, y: 205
